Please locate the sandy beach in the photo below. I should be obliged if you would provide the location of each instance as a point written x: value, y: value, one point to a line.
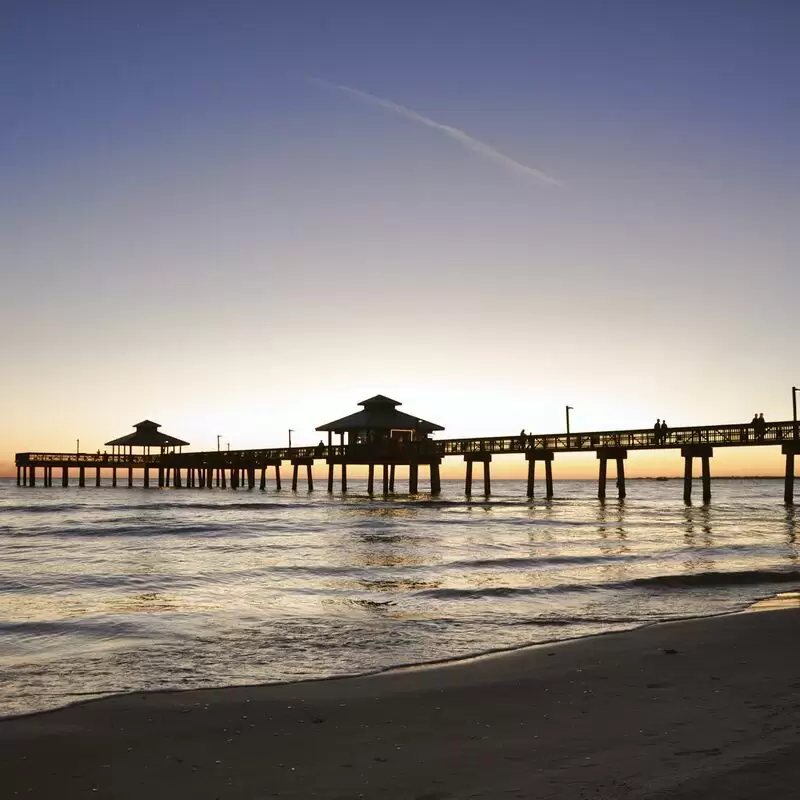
x: 693, y: 709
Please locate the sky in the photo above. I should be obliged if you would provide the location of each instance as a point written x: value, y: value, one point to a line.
x: 241, y: 217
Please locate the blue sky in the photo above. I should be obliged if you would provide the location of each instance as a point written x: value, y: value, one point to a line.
x: 193, y: 229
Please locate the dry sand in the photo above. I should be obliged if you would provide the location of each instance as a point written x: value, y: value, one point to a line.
x: 696, y: 709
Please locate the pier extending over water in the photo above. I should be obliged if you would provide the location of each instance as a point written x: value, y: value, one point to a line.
x: 239, y: 469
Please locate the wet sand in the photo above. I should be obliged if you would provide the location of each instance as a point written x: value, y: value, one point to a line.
x: 696, y: 709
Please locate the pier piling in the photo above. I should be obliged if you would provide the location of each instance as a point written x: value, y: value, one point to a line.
x: 618, y: 454
x: 485, y: 459
x: 790, y: 450
x: 532, y: 456
x: 689, y: 453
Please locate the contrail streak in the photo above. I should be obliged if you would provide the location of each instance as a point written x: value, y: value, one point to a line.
x: 448, y: 130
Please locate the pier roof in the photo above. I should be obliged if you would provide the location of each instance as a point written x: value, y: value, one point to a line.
x: 147, y: 435
x: 380, y: 413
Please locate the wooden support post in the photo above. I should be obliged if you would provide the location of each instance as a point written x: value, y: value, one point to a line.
x: 436, y: 483
x: 161, y: 477
x: 603, y: 455
x: 601, y: 482
x: 370, y: 479
x: 344, y: 478
x: 295, y: 470
x: 485, y: 458
x: 130, y: 477
x: 309, y: 478
x: 278, y: 477
x: 391, y: 478
x: 788, y: 486
x: 531, y: 476
x: 19, y: 474
x: 548, y: 476
x: 689, y: 453
x: 386, y: 479
x: 24, y: 476
x: 114, y: 477
x: 217, y: 476
x: 224, y: 479
x: 706, y: 480
x: 81, y: 476
x: 263, y: 480
x: 251, y: 477
x: 97, y: 476
x: 177, y: 477
x: 687, y: 479
x: 65, y: 476
x: 330, y: 478
x: 413, y: 478
x: 146, y: 476
x: 209, y: 477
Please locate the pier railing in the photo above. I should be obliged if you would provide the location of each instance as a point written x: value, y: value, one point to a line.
x: 392, y: 450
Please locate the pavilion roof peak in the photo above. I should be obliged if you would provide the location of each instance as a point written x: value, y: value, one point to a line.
x: 380, y: 414
x: 147, y: 435
x: 380, y: 400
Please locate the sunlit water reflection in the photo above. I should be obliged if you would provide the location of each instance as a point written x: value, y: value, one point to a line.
x: 105, y: 590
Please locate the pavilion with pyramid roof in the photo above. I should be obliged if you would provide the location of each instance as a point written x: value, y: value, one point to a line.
x: 380, y: 434
x: 146, y: 436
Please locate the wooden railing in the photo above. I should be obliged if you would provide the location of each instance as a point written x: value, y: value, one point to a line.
x: 639, y: 439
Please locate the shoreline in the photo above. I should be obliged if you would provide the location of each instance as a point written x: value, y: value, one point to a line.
x: 775, y: 603
x: 664, y: 707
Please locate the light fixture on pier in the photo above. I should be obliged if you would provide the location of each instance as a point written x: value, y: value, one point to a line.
x: 569, y: 408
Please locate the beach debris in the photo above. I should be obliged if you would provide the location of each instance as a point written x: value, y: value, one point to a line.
x: 669, y: 651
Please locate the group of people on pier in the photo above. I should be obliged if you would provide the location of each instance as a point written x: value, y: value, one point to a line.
x: 660, y: 432
x: 759, y: 426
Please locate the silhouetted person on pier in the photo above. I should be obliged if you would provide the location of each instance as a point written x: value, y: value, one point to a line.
x: 522, y: 439
x: 320, y: 449
x: 657, y: 432
x: 762, y: 426
x: 664, y: 431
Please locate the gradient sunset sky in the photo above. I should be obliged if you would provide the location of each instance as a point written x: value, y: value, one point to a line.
x: 242, y: 217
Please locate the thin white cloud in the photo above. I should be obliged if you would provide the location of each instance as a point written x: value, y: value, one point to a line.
x: 460, y: 136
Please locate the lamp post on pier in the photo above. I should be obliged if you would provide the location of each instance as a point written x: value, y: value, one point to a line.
x: 77, y: 447
x: 569, y: 408
x: 795, y: 390
x: 291, y: 431
x: 219, y: 436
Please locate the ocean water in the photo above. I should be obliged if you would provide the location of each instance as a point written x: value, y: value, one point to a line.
x: 112, y: 590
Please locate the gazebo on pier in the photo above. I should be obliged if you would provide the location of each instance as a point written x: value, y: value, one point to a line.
x: 380, y: 434
x: 146, y: 436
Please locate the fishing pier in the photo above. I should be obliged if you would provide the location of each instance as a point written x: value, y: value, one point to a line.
x: 382, y: 438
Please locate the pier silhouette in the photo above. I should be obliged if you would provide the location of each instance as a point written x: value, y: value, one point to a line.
x: 381, y: 436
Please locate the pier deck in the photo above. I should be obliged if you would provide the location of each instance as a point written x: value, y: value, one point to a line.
x: 202, y: 467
